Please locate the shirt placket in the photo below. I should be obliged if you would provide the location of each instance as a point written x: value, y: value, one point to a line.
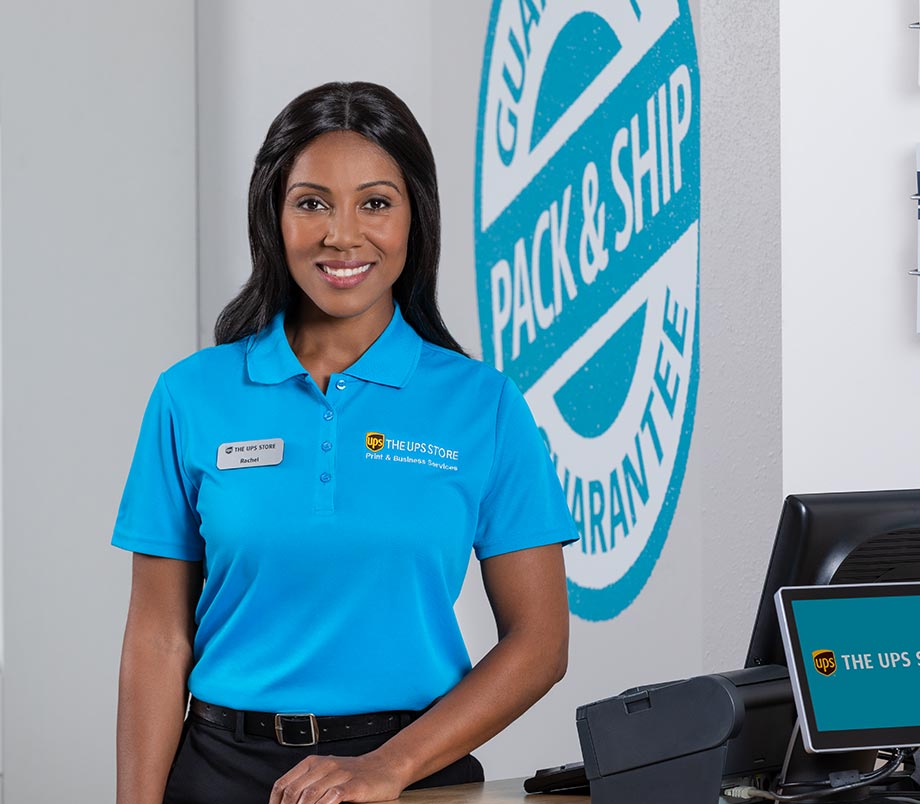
x: 333, y: 400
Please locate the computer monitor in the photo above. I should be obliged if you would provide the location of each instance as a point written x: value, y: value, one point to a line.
x: 854, y: 663
x: 837, y: 538
x: 850, y: 537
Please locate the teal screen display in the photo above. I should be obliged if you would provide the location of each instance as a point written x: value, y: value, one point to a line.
x: 862, y: 660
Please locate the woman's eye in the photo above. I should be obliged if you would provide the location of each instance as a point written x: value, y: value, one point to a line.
x: 311, y: 204
x: 377, y: 203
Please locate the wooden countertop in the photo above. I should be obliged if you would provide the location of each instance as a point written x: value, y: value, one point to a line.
x: 503, y: 791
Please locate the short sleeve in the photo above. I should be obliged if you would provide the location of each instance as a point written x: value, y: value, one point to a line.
x: 523, y: 504
x: 157, y: 514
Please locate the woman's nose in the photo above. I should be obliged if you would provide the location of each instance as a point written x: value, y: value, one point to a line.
x: 344, y: 230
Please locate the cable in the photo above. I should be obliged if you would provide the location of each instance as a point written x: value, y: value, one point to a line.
x: 745, y: 791
x: 863, y: 779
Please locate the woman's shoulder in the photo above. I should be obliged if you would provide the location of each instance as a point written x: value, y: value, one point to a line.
x: 207, y: 367
x: 452, y: 367
x: 442, y: 357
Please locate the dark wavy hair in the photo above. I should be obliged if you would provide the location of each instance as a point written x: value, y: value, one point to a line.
x: 379, y: 115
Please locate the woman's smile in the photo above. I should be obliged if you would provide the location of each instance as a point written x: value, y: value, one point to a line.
x: 339, y: 272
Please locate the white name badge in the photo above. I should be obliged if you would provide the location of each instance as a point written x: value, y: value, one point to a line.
x: 246, y: 454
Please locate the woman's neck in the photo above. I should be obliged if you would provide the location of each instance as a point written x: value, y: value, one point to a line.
x: 325, y: 345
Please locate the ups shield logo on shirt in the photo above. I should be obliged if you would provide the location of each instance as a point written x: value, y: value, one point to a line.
x: 374, y: 441
x: 825, y: 662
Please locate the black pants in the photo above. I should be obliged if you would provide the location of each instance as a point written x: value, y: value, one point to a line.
x: 213, y: 766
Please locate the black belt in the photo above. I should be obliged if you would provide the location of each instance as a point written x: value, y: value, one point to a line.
x: 302, y: 729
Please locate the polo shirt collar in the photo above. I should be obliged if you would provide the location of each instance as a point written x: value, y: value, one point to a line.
x: 390, y: 360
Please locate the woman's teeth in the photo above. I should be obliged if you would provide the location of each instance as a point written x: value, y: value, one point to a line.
x: 344, y: 272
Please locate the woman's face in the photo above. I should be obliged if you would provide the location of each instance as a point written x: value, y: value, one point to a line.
x: 345, y: 223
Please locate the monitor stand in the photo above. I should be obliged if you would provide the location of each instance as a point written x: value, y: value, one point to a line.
x: 801, y: 766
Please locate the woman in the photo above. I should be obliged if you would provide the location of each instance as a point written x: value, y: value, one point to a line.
x: 326, y: 470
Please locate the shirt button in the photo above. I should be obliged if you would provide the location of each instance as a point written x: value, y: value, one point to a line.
x: 326, y: 445
x: 340, y: 384
x: 328, y: 415
x: 325, y: 477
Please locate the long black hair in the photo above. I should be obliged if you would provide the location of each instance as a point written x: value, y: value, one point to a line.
x: 379, y: 115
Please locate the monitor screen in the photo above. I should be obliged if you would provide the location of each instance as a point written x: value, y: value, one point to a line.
x: 839, y: 538
x: 854, y: 662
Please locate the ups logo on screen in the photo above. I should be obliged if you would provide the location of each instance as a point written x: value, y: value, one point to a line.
x: 825, y: 662
x: 374, y: 441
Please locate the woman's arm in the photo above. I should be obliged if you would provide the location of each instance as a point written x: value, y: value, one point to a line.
x: 527, y: 592
x: 156, y: 659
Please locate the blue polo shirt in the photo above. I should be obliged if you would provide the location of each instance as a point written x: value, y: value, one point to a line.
x: 335, y: 529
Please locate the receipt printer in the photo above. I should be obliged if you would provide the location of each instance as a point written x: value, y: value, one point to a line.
x: 671, y: 743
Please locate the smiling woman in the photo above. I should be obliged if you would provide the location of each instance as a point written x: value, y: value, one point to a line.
x: 305, y: 496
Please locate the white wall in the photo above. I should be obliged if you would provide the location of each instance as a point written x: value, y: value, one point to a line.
x: 696, y: 612
x: 656, y: 639
x: 97, y: 105
x: 851, y: 356
x: 738, y: 432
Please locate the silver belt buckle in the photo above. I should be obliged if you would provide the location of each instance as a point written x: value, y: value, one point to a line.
x: 296, y: 721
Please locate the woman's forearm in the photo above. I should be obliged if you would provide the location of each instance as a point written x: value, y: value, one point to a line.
x: 156, y: 660
x: 527, y: 592
x: 508, y: 680
x: 152, y: 699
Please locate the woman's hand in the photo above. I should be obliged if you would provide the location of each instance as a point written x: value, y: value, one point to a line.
x: 330, y: 780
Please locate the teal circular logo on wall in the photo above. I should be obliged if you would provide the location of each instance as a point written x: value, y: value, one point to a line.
x: 587, y: 207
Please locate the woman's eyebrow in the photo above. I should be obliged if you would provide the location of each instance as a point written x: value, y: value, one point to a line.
x: 308, y: 184
x: 375, y: 183
x: 323, y: 189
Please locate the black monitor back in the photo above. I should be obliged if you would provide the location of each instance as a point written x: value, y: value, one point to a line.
x: 850, y: 537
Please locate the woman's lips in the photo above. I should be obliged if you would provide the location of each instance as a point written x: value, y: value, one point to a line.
x: 344, y: 273
x: 342, y: 268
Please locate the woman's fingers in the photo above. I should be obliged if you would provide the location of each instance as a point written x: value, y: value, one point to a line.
x: 297, y: 782
x: 332, y: 780
x: 307, y: 782
x: 334, y: 795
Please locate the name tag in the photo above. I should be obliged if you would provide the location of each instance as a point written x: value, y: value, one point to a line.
x: 246, y: 454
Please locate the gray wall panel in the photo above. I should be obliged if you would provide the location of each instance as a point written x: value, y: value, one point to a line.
x: 97, y: 102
